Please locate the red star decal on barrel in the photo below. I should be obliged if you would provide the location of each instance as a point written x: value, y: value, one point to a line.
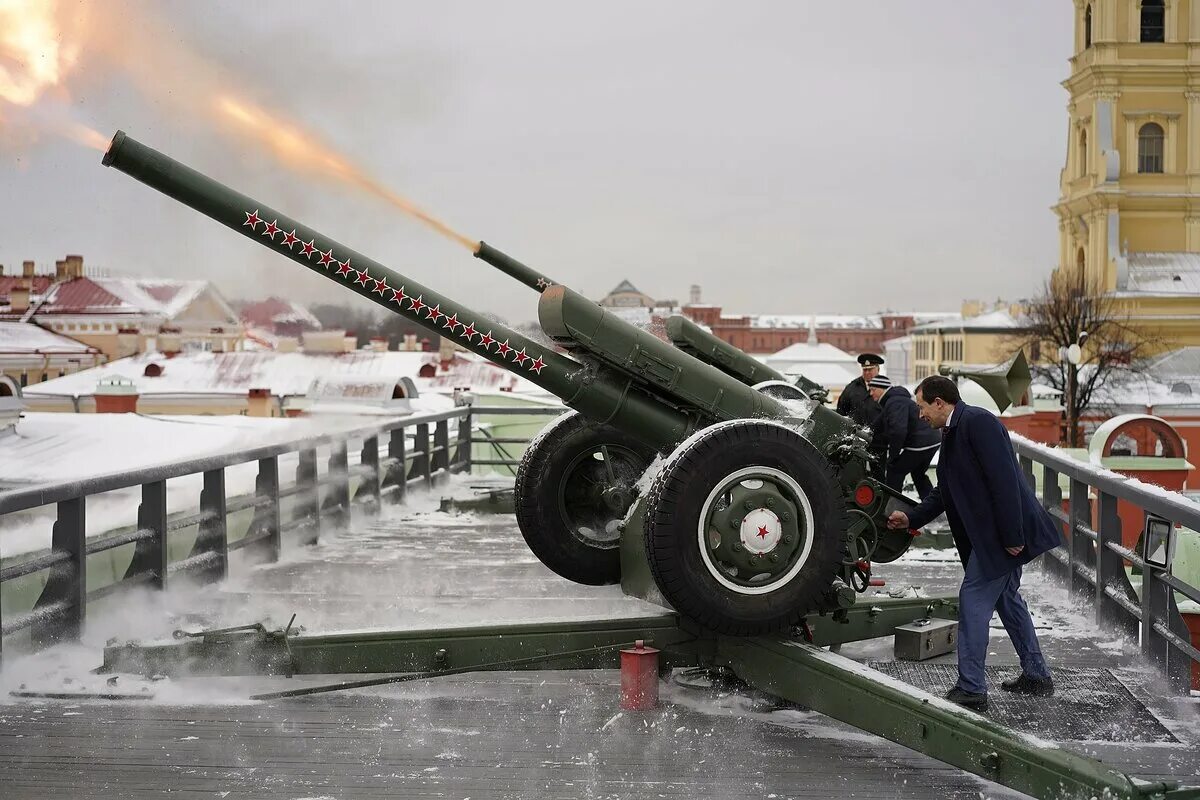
x: 252, y: 218
x: 343, y: 269
x: 503, y: 349
x: 327, y: 259
x: 363, y: 278
x: 398, y: 296
x: 520, y: 357
x: 308, y: 248
x: 415, y: 305
x: 486, y: 340
x: 762, y: 531
x: 380, y: 286
x: 537, y: 365
x: 468, y: 331
x: 451, y: 322
x: 271, y: 229
x: 543, y: 283
x: 434, y: 313
x: 290, y: 239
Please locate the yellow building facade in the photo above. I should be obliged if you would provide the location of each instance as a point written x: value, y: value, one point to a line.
x: 1129, y: 207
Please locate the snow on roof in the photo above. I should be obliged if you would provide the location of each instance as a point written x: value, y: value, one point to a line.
x: 857, y: 321
x: 1163, y: 273
x: 159, y: 296
x: 829, y: 366
x: 999, y: 319
x: 625, y: 286
x: 277, y: 309
x: 25, y: 337
x: 47, y: 446
x: 283, y: 374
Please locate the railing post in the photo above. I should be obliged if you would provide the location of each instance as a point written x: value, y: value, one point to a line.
x: 267, y: 517
x: 1110, y: 572
x: 1082, y: 554
x: 422, y: 464
x: 1027, y: 470
x: 441, y: 450
x: 151, y: 554
x: 308, y: 503
x: 339, y: 484
x: 1052, y: 499
x: 462, y: 458
x: 398, y: 471
x: 68, y: 581
x: 372, y: 480
x: 212, y: 537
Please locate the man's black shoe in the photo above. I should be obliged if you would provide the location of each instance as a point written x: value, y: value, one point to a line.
x: 971, y: 700
x: 1024, y: 684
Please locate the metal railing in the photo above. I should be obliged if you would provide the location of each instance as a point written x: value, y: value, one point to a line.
x: 392, y: 455
x: 1093, y: 558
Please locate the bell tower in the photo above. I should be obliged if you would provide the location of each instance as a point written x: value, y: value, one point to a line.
x: 1129, y: 205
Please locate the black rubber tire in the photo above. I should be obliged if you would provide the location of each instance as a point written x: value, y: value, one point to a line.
x: 673, y: 515
x: 542, y: 524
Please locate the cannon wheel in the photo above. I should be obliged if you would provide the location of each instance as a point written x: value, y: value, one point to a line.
x: 745, y: 527
x: 575, y: 484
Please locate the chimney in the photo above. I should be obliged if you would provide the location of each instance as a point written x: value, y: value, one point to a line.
x: 379, y: 344
x: 287, y: 344
x: 694, y: 294
x: 258, y: 403
x: 74, y: 267
x: 116, y: 395
x: 410, y: 343
x: 60, y: 270
x: 127, y: 342
x: 18, y: 299
x: 1, y: 270
x: 445, y: 352
x: 27, y: 269
x: 349, y: 342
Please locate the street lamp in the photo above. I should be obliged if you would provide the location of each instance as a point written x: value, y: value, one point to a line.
x: 1070, y: 358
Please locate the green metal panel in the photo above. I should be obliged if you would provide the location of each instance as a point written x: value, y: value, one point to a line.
x: 848, y: 691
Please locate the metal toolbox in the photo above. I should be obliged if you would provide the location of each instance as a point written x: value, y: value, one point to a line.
x: 926, y: 638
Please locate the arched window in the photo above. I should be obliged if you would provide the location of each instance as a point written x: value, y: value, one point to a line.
x: 1154, y: 21
x: 1150, y: 148
x: 1083, y: 154
x: 1087, y: 27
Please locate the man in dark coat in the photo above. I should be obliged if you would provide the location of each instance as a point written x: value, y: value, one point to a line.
x: 909, y: 440
x: 998, y: 526
x: 856, y: 402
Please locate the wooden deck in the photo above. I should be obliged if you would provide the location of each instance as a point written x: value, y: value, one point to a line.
x: 498, y: 735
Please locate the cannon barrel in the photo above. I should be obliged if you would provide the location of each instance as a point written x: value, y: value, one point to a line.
x: 595, y: 390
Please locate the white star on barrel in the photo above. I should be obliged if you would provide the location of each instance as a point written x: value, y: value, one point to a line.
x: 761, y: 530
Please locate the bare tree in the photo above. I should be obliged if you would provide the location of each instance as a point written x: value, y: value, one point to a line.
x: 1072, y: 310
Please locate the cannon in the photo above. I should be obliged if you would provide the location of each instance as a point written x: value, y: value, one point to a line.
x: 750, y: 502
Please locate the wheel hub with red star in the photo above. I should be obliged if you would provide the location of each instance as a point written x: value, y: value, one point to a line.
x: 755, y: 530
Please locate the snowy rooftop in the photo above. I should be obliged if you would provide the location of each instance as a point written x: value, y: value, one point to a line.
x: 282, y: 373
x: 1163, y: 273
x: 25, y: 337
x: 156, y: 296
x: 998, y: 320
x: 858, y: 321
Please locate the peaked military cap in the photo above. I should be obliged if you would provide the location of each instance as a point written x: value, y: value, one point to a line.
x: 870, y: 360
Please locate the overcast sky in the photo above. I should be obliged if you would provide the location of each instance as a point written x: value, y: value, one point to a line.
x: 789, y: 157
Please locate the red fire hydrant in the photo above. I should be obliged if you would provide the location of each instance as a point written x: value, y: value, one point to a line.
x: 639, y: 677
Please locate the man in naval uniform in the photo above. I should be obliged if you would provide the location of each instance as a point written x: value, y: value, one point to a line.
x: 856, y: 403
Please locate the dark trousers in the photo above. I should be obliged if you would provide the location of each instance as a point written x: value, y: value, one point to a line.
x: 911, y: 462
x: 977, y: 599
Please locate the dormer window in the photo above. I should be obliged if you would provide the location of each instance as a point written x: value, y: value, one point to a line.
x: 1154, y: 21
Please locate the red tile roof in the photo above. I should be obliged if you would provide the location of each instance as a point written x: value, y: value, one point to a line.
x: 9, y: 282
x: 160, y: 291
x: 81, y: 296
